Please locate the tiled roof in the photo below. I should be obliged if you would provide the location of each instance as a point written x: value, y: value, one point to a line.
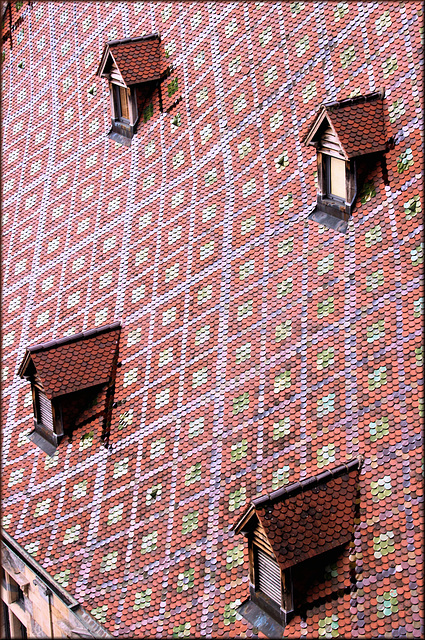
x: 138, y: 59
x: 256, y: 347
x: 76, y: 362
x: 311, y: 516
x: 358, y: 122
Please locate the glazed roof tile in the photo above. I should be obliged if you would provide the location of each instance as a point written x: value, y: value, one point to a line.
x: 138, y: 59
x: 308, y: 517
x: 318, y: 319
x: 75, y: 362
x: 358, y: 122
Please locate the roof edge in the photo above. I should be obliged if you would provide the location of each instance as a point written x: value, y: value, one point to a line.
x: 103, y: 60
x: 320, y: 116
x: 150, y: 36
x: 379, y: 94
x: 77, y: 389
x: 244, y: 518
x: 379, y: 148
x: 76, y: 337
x: 86, y: 620
x: 309, y: 483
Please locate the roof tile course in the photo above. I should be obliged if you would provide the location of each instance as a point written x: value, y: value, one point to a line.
x: 138, y: 61
x: 337, y: 320
x: 75, y: 363
x: 312, y: 516
x: 359, y: 123
x: 360, y: 126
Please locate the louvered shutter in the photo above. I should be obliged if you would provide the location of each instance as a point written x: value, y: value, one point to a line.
x: 269, y: 577
x: 45, y: 407
x: 116, y: 75
x: 329, y: 144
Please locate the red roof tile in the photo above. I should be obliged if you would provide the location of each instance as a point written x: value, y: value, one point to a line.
x: 322, y: 334
x: 310, y: 517
x: 138, y: 59
x: 75, y: 362
x: 358, y: 122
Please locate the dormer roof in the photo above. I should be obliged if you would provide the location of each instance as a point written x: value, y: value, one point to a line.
x: 74, y: 362
x: 356, y: 125
x: 306, y: 518
x: 132, y: 60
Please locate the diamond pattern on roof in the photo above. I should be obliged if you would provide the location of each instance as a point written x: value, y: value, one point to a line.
x: 312, y: 340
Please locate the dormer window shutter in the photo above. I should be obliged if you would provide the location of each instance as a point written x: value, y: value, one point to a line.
x: 269, y: 577
x: 45, y: 409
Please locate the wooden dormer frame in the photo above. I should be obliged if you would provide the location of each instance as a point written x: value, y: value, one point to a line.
x: 115, y: 79
x: 71, y: 395
x: 336, y: 137
x: 272, y: 524
x: 114, y: 74
x: 123, y: 129
x: 325, y: 139
x: 258, y: 542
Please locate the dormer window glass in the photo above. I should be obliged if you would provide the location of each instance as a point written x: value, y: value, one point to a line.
x: 335, y: 169
x: 121, y: 100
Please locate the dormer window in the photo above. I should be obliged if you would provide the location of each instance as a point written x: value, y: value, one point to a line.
x: 71, y: 380
x: 335, y: 178
x: 133, y: 68
x: 293, y: 533
x: 347, y: 136
x: 122, y: 97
